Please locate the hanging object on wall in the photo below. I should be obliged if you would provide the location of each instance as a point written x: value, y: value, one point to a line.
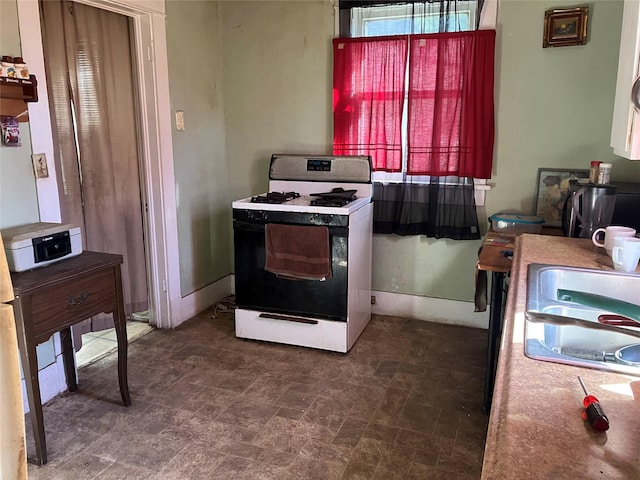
x: 10, y: 132
x: 565, y: 27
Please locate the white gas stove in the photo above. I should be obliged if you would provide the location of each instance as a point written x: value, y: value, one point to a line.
x: 323, y: 199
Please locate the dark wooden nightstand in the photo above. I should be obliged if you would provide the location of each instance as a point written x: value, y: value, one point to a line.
x: 51, y: 299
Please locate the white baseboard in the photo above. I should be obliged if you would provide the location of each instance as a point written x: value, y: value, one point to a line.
x: 202, y: 299
x: 439, y: 310
x: 453, y: 312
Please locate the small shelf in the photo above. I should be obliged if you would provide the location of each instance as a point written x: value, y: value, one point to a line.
x: 14, y: 95
x: 19, y: 89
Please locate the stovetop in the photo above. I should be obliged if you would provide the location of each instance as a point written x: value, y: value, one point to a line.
x: 302, y: 204
x: 275, y: 197
x: 337, y: 197
x: 331, y: 202
x: 296, y: 180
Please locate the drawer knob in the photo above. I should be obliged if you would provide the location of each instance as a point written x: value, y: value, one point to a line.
x: 78, y: 300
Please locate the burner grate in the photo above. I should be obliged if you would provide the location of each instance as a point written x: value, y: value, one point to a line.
x: 337, y: 197
x: 331, y: 202
x: 275, y: 197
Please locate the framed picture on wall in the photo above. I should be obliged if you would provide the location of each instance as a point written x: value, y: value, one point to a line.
x: 552, y: 189
x: 565, y: 27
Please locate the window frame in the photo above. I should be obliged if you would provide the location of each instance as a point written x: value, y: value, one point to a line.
x: 344, y: 29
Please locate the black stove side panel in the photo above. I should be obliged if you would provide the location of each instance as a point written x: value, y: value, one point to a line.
x: 257, y: 289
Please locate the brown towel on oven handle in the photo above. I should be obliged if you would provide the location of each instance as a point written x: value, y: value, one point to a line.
x: 298, y: 251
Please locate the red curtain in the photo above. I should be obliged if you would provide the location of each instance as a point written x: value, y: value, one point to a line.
x: 368, y: 93
x: 450, y: 116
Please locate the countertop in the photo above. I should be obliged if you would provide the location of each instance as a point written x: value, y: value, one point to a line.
x: 535, y: 428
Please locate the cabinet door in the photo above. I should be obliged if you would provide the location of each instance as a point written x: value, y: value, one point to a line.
x: 625, y: 130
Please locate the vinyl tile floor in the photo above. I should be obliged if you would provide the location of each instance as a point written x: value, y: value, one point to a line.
x: 95, y: 345
x: 404, y: 403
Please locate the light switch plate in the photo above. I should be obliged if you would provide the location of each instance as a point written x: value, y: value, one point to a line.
x: 40, y: 165
x: 180, y: 120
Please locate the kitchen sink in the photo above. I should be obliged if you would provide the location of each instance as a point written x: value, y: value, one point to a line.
x: 577, y: 344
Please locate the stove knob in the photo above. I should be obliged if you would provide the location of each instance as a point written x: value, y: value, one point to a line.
x: 319, y: 219
x: 265, y: 215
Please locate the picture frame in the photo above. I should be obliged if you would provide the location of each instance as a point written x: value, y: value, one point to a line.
x: 565, y: 27
x: 552, y: 189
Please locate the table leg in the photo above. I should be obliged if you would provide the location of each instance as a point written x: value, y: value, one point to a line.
x: 495, y: 326
x: 29, y: 360
x: 120, y: 323
x: 68, y: 360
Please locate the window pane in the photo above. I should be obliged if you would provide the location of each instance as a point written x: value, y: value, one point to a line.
x: 411, y: 19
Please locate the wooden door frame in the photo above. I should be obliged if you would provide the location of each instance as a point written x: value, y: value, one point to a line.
x: 158, y: 182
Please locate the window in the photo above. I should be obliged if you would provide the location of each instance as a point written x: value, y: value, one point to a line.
x: 396, y: 20
x: 420, y: 102
x: 411, y: 18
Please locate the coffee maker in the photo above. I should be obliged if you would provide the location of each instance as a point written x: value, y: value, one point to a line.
x: 587, y: 208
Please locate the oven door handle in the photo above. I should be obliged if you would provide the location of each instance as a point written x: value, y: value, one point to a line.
x: 288, y: 318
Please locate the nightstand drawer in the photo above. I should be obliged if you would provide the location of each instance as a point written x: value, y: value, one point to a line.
x: 57, y: 307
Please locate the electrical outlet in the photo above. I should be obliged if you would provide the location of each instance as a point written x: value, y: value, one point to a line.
x: 40, y: 165
x: 373, y: 299
x: 180, y: 120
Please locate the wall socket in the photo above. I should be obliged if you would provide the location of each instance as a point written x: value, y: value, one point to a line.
x: 373, y: 299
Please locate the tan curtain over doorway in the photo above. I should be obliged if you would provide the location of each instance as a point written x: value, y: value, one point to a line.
x: 91, y: 91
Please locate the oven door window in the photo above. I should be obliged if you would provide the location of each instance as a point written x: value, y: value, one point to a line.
x: 257, y: 289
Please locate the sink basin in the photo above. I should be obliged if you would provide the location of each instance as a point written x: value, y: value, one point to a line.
x: 576, y: 345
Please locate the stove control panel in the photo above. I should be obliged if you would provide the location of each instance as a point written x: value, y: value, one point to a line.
x: 293, y: 218
x: 318, y: 165
x: 320, y: 168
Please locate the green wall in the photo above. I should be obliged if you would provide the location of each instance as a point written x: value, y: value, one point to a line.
x: 200, y: 164
x: 18, y: 200
x: 254, y: 78
x: 277, y: 85
x: 553, y: 106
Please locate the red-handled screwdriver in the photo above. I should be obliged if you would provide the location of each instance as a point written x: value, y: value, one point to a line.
x: 593, y: 411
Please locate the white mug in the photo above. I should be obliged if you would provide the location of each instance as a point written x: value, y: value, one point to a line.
x: 626, y: 254
x: 609, y: 234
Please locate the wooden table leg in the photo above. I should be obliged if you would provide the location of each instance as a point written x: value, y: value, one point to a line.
x: 120, y: 323
x: 68, y: 360
x: 495, y: 327
x: 29, y: 360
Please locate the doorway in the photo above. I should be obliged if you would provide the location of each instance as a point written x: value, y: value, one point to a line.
x: 151, y: 61
x: 89, y: 67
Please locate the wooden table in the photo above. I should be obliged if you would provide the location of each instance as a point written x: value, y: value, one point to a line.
x: 52, y: 298
x: 495, y: 257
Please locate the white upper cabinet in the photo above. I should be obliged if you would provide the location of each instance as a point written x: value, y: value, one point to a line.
x: 625, y: 131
